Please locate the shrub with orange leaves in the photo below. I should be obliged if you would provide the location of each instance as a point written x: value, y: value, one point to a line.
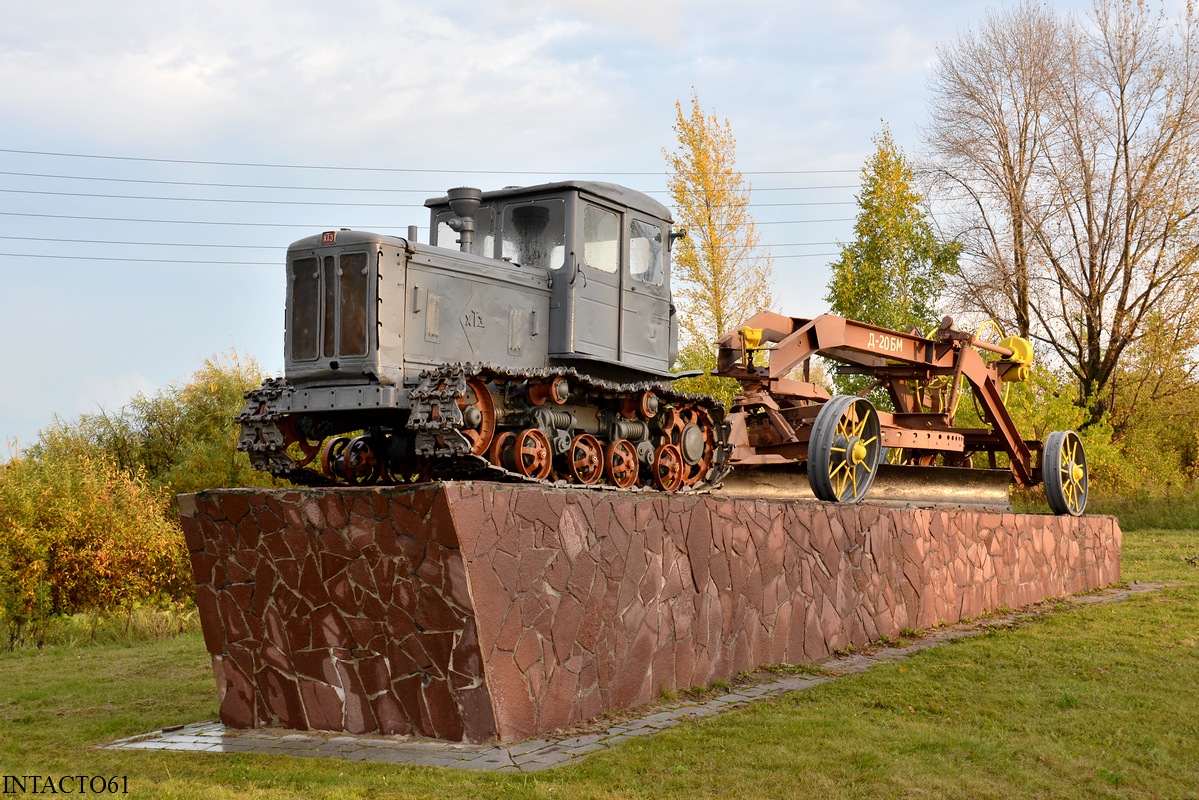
x: 78, y: 533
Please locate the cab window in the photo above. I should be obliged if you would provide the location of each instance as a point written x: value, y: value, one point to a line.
x: 645, y: 252
x: 601, y: 239
x: 484, y: 241
x: 534, y: 234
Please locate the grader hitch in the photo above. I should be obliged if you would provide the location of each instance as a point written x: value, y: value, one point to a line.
x: 781, y: 420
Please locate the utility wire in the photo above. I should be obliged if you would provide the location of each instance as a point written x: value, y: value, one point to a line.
x: 140, y: 244
x: 272, y: 263
x: 141, y: 260
x: 321, y: 202
x: 311, y: 226
x: 427, y: 192
x: 277, y: 247
x: 212, y: 199
x: 575, y: 173
x: 317, y: 227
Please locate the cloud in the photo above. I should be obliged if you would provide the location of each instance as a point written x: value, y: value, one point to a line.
x: 662, y: 21
x: 187, y: 73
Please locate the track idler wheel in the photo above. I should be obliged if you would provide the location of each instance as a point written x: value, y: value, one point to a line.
x: 502, y: 449
x: 534, y: 456
x: 620, y: 464
x: 332, y: 456
x: 354, y: 461
x: 691, y: 430
x: 1064, y: 468
x: 360, y: 463
x: 310, y: 449
x: 669, y: 468
x: 478, y: 416
x: 844, y: 449
x: 585, y: 459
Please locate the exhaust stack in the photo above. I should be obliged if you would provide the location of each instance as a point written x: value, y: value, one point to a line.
x: 464, y: 202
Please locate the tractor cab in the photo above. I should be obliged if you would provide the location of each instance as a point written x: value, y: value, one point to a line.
x: 606, y: 250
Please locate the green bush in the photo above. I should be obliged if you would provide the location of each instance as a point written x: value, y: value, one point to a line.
x: 1047, y: 403
x: 81, y: 533
x: 87, y: 518
x: 183, y: 438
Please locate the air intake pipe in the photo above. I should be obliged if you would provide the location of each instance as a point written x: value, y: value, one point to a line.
x: 464, y: 202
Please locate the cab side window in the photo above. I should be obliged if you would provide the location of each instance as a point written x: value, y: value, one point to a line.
x: 645, y: 252
x: 534, y: 234
x: 601, y: 239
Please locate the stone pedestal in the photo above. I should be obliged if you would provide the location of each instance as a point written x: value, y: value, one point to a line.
x: 472, y: 611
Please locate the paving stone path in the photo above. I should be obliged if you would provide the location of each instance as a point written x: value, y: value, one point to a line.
x: 538, y: 754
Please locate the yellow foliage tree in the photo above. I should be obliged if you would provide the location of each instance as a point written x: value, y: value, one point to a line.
x: 80, y: 533
x: 721, y: 274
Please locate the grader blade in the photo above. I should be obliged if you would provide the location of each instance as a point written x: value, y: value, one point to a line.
x: 906, y: 486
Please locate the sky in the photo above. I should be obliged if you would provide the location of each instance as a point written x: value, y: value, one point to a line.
x: 156, y: 159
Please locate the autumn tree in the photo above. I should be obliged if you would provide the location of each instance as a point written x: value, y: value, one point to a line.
x: 893, y: 272
x: 1070, y: 147
x: 990, y: 92
x: 182, y: 438
x: 86, y: 513
x: 721, y: 275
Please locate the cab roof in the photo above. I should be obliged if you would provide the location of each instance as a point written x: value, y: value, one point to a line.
x: 615, y: 193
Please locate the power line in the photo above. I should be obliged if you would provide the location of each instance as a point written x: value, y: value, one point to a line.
x: 322, y: 202
x: 395, y: 169
x: 427, y: 192
x: 309, y: 226
x: 278, y: 248
x: 223, y: 185
x: 145, y: 260
x: 140, y: 244
x: 800, y: 221
x: 211, y: 199
x: 194, y: 221
x: 257, y: 263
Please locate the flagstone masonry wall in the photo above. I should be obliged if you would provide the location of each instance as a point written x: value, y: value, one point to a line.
x: 477, y: 611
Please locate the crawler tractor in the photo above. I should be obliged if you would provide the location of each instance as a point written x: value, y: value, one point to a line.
x: 530, y: 340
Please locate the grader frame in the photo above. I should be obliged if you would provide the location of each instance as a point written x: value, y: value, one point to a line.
x: 780, y: 420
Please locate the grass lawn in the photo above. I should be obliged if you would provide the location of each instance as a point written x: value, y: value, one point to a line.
x: 1099, y: 701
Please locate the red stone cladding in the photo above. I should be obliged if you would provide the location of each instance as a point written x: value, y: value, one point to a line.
x: 470, y: 611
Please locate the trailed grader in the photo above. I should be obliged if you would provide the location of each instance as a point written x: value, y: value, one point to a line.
x: 781, y: 420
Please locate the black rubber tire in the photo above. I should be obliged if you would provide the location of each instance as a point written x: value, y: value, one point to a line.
x: 1064, y: 470
x: 832, y: 474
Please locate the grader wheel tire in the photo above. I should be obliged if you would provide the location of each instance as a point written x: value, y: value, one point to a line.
x: 1064, y: 468
x: 844, y: 449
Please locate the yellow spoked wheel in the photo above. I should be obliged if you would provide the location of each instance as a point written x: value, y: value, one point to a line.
x: 844, y: 449
x: 1064, y: 469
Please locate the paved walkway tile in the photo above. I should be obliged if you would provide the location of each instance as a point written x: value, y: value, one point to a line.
x: 538, y: 754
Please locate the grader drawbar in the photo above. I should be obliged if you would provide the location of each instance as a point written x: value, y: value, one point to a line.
x: 790, y: 438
